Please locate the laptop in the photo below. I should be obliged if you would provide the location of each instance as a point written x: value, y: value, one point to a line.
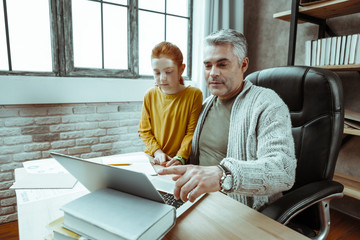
x: 96, y: 176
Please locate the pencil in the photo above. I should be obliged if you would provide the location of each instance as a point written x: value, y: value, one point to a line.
x: 120, y: 164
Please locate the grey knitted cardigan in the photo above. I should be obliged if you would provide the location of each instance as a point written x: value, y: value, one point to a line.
x: 260, y: 151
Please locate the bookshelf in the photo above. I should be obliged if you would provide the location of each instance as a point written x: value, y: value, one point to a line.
x: 317, y: 14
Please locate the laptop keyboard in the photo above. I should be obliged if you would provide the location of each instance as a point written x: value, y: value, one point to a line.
x: 170, y: 199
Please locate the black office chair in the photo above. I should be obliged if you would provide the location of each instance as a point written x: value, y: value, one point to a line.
x: 315, y: 100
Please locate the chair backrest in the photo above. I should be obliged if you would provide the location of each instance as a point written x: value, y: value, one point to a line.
x: 315, y: 100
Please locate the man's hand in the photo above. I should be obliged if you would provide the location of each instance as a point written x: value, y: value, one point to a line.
x: 192, y: 181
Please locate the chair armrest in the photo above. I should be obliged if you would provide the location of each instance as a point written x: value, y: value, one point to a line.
x: 289, y: 205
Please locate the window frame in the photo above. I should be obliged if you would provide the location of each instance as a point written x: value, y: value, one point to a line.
x: 62, y: 45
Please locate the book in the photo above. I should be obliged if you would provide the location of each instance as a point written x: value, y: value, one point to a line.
x: 333, y: 50
x: 347, y: 50
x: 113, y: 215
x: 342, y: 51
x: 327, y: 51
x: 338, y: 48
x: 318, y: 52
x: 323, y: 52
x: 354, y: 41
x: 313, y: 53
x: 61, y: 233
x: 308, y: 53
x: 357, y: 51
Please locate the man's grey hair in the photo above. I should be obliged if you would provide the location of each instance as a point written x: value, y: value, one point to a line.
x: 229, y: 36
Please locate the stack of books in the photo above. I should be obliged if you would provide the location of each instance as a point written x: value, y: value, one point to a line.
x: 332, y: 51
x: 352, y: 119
x: 113, y: 215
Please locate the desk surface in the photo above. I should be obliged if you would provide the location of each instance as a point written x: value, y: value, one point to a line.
x: 217, y: 216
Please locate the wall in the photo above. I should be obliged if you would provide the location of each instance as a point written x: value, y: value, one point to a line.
x: 29, y: 132
x: 268, y: 47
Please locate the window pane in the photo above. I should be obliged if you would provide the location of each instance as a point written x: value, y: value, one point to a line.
x: 115, y: 37
x: 86, y: 16
x: 3, y: 51
x: 178, y: 7
x: 30, y: 35
x: 123, y: 2
x: 155, y: 5
x: 151, y: 32
x: 177, y: 33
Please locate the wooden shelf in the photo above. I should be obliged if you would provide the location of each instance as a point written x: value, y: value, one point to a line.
x: 351, y: 185
x: 323, y: 10
x: 352, y: 67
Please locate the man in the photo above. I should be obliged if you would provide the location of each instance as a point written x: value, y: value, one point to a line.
x: 243, y: 142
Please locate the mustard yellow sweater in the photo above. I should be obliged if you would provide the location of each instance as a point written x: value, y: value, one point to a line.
x: 168, y: 121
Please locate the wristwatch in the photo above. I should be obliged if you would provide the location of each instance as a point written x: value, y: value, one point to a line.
x: 226, y: 180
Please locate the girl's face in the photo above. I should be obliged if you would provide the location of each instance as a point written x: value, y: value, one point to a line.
x: 167, y: 75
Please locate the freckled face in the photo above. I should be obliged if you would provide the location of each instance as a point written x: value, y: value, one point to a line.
x: 223, y: 73
x: 167, y: 75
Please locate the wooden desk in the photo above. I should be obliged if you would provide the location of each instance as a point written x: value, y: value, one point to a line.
x: 217, y: 216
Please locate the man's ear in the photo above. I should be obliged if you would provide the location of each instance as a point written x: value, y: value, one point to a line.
x: 244, y: 64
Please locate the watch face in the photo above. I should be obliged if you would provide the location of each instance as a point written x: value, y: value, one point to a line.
x: 227, y: 184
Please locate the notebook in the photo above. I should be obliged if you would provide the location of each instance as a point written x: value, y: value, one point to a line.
x: 95, y: 176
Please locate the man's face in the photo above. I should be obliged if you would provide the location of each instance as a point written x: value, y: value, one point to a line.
x: 223, y: 72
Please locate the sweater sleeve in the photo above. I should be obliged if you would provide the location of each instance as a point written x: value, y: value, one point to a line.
x: 185, y: 148
x: 145, y: 129
x: 273, y: 168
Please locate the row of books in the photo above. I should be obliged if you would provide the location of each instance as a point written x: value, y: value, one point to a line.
x: 352, y: 119
x: 340, y: 50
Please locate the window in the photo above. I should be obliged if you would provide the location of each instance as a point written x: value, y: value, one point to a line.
x: 90, y: 38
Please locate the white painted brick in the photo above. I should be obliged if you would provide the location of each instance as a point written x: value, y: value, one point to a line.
x: 79, y: 150
x: 6, y: 184
x: 33, y: 112
x: 8, y: 201
x: 47, y: 120
x: 6, y: 158
x: 84, y: 109
x: 17, y: 140
x: 18, y: 122
x: 36, y: 147
x: 63, y: 127
x: 71, y: 135
x: 91, y: 155
x: 107, y: 139
x: 133, y: 129
x: 87, y: 126
x: 46, y: 154
x: 10, y: 149
x: 7, y: 193
x: 130, y: 106
x: 8, y: 113
x: 121, y: 144
x: 107, y: 108
x: 60, y: 110
x: 101, y: 147
x: 7, y: 210
x: 119, y: 116
x: 4, y: 176
x: 114, y: 131
x: 109, y: 124
x: 27, y: 156
x: 129, y: 136
x: 87, y: 141
x: 73, y: 118
x: 94, y: 133
x: 8, y: 218
x: 34, y: 130
x: 63, y: 144
x: 129, y: 122
x: 97, y: 117
x: 10, y: 131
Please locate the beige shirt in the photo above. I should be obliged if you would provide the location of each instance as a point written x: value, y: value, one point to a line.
x: 214, y: 135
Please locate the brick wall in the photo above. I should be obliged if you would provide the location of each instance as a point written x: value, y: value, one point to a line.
x: 29, y: 132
